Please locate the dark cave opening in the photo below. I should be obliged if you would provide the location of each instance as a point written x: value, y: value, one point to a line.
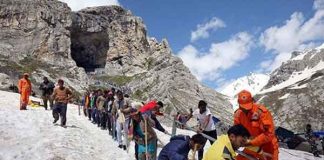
x: 89, y: 50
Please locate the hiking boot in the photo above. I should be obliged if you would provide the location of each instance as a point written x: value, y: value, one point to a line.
x: 64, y: 126
x: 120, y: 146
x: 55, y: 120
x: 124, y: 147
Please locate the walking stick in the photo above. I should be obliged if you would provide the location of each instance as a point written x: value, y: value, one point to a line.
x: 146, y: 144
x: 174, y: 127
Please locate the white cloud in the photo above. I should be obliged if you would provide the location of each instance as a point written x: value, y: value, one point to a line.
x: 221, y: 56
x: 297, y: 33
x: 203, y: 30
x: 318, y: 4
x: 76, y: 5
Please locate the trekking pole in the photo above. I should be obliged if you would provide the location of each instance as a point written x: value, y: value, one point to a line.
x: 146, y: 144
x: 79, y: 110
x: 174, y: 128
x: 161, y: 142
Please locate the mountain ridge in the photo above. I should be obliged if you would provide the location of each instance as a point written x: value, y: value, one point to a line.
x: 94, y: 47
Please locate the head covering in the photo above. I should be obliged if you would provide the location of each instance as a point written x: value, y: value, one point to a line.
x: 26, y: 74
x: 110, y: 93
x: 245, y: 100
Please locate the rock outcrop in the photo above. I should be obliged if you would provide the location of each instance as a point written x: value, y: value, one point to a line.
x: 294, y: 92
x: 35, y: 38
x: 96, y: 47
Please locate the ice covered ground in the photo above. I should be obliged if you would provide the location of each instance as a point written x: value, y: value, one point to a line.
x: 30, y: 135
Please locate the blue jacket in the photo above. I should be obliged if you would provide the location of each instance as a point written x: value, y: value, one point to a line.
x: 177, y: 149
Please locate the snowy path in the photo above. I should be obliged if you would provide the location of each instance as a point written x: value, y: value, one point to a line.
x: 30, y: 135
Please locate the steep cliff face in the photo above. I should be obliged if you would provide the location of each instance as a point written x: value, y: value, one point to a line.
x: 294, y: 92
x: 97, y: 46
x: 35, y: 38
x: 111, y: 38
x: 38, y: 29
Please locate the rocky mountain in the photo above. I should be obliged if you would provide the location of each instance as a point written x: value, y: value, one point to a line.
x: 253, y: 82
x: 294, y: 92
x: 97, y: 47
x: 35, y: 38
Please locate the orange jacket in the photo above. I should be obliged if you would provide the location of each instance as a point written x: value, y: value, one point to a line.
x: 24, y: 86
x: 87, y: 101
x: 258, y: 121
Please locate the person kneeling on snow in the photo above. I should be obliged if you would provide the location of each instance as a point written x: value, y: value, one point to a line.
x: 224, y: 147
x: 179, y: 147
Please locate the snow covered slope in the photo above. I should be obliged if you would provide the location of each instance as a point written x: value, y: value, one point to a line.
x: 30, y: 135
x: 253, y: 82
x: 294, y: 92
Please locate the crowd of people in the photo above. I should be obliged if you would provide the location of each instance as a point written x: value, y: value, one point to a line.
x: 126, y: 120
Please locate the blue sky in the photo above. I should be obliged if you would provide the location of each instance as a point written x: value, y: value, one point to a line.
x: 221, y: 40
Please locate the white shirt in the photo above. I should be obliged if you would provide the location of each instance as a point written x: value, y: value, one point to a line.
x: 202, y: 119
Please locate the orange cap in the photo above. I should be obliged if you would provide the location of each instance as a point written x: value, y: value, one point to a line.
x: 245, y: 100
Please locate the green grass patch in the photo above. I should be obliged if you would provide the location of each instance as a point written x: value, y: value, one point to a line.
x: 119, y: 80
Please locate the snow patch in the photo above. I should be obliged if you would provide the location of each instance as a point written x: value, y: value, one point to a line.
x: 253, y: 83
x: 299, y: 87
x: 320, y: 77
x: 30, y: 134
x: 320, y: 47
x: 299, y: 57
x: 296, y: 77
x: 260, y: 99
x: 285, y: 96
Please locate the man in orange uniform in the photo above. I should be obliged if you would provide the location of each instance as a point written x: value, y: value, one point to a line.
x: 25, y: 88
x: 258, y: 121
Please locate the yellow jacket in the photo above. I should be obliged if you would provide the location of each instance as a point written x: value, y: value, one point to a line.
x: 220, y: 150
